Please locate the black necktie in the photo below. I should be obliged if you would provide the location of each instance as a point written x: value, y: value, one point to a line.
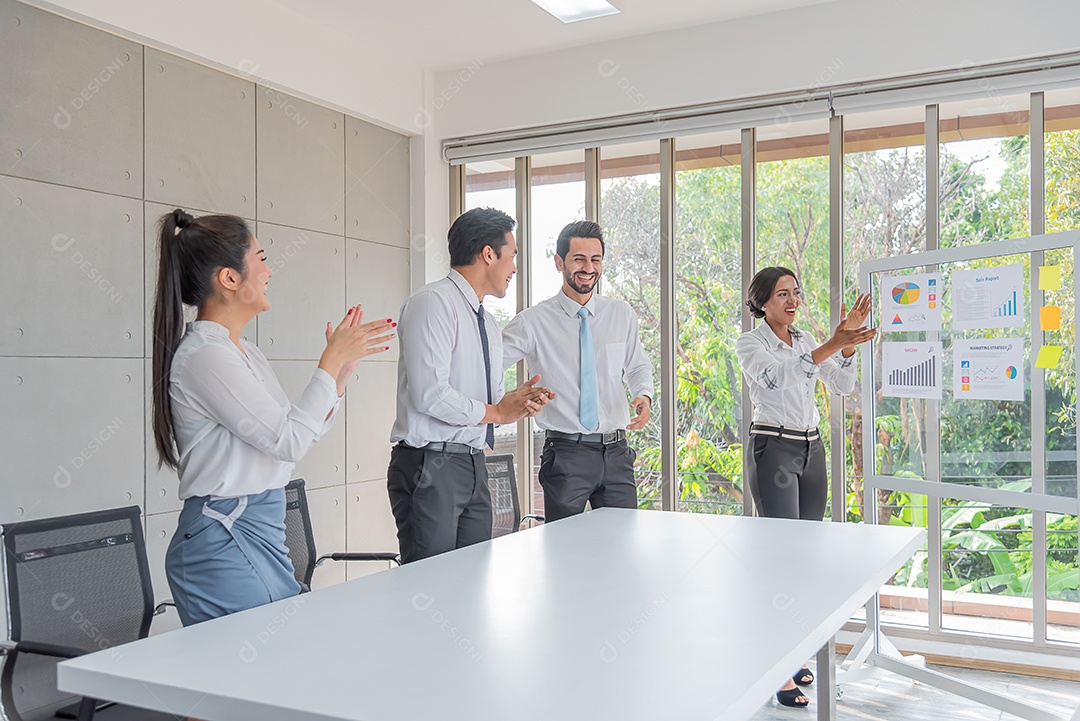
x: 490, y: 439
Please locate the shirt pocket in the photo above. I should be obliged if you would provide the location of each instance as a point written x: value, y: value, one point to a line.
x: 614, y: 353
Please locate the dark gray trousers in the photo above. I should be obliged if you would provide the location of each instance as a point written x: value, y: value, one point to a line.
x: 787, y: 477
x: 573, y: 473
x: 440, y: 501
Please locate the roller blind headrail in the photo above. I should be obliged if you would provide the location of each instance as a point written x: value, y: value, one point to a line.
x: 966, y: 80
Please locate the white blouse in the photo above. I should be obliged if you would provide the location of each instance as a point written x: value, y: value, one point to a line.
x: 236, y: 432
x: 782, y: 378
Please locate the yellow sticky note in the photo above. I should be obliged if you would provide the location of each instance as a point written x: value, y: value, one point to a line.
x: 1049, y: 277
x: 1050, y: 317
x: 1049, y: 355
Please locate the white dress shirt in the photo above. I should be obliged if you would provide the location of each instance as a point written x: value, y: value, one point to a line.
x: 547, y: 335
x: 782, y: 378
x: 236, y: 432
x: 441, y: 393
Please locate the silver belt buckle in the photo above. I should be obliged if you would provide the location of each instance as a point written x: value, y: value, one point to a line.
x: 608, y: 438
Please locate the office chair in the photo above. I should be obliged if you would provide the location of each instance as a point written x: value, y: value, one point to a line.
x: 74, y: 585
x: 505, y: 510
x: 300, y: 538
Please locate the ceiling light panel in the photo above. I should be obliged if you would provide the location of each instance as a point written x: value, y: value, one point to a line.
x: 570, y: 11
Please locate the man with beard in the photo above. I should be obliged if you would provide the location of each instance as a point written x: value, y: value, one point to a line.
x: 585, y: 346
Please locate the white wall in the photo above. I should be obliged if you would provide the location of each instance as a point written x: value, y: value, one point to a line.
x: 431, y: 195
x: 107, y: 135
x: 792, y: 50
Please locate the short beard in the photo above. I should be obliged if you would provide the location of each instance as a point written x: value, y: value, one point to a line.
x: 583, y: 290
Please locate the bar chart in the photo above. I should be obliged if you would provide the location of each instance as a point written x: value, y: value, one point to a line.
x: 922, y: 375
x: 1008, y: 308
x: 912, y: 369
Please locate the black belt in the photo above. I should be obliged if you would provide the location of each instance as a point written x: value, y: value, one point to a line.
x: 794, y: 434
x: 606, y: 439
x: 444, y: 447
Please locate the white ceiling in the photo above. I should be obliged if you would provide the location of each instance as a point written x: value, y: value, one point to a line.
x: 446, y: 34
x: 368, y: 57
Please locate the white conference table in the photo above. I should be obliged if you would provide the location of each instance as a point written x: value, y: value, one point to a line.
x: 616, y: 614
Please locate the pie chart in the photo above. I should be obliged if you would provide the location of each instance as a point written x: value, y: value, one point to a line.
x: 905, y: 293
x: 1010, y: 372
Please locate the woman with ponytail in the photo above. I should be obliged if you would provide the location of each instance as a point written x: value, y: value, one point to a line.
x: 222, y: 420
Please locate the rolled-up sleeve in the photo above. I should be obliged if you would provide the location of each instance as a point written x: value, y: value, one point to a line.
x: 426, y: 338
x: 761, y: 367
x: 216, y: 381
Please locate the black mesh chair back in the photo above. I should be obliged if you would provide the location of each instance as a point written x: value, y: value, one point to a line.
x: 299, y: 535
x: 300, y: 539
x: 505, y: 512
x: 75, y: 584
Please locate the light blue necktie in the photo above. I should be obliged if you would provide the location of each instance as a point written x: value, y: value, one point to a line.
x: 587, y: 407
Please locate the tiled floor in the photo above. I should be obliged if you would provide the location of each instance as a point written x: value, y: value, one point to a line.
x: 892, y: 698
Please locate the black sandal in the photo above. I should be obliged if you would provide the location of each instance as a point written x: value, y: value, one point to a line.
x: 790, y: 698
x: 804, y: 677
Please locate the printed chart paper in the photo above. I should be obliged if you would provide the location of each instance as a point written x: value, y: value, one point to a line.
x: 911, y: 302
x: 912, y: 370
x: 991, y: 369
x: 988, y: 297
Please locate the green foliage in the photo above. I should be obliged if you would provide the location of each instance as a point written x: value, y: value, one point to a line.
x: 986, y: 550
x: 990, y: 550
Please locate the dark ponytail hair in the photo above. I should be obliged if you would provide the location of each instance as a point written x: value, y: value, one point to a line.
x: 761, y: 288
x: 190, y: 253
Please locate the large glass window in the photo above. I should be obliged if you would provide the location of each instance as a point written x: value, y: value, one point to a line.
x: 793, y: 224
x: 986, y: 553
x: 985, y: 196
x: 490, y: 184
x: 1062, y: 566
x: 1062, y: 213
x: 983, y: 560
x: 984, y: 444
x: 985, y: 169
x: 884, y: 216
x: 1062, y: 606
x: 630, y: 217
x: 557, y: 191
x: 708, y: 283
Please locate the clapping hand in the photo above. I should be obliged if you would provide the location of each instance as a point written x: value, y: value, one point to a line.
x: 526, y: 400
x: 857, y: 316
x: 850, y: 332
x: 353, y: 340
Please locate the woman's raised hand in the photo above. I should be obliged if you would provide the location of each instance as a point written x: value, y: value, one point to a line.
x: 352, y: 341
x: 857, y: 315
x: 850, y: 332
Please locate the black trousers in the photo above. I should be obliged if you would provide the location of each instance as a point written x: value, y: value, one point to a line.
x: 573, y: 473
x: 787, y: 477
x: 440, y: 501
